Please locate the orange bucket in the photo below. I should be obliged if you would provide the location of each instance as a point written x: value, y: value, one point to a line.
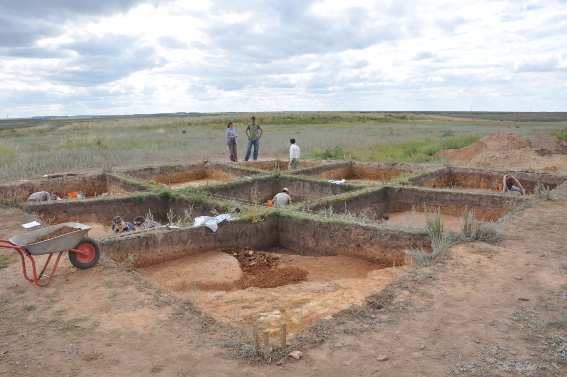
x: 270, y: 203
x: 500, y: 187
x: 72, y: 195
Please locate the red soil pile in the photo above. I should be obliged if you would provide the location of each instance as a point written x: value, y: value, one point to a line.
x: 259, y: 269
x: 56, y: 233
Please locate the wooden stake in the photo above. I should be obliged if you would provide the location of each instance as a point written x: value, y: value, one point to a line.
x: 284, y: 336
x: 266, y: 343
x: 255, y: 342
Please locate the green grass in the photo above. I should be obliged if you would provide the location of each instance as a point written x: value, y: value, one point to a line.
x: 47, y: 146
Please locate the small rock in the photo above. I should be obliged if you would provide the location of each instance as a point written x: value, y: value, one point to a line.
x: 422, y: 347
x: 523, y: 299
x: 296, y: 354
x: 337, y: 345
x: 542, y: 255
x: 519, y: 278
x: 477, y: 340
x: 382, y: 357
x: 282, y: 361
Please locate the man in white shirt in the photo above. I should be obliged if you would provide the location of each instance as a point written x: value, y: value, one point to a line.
x: 293, y: 155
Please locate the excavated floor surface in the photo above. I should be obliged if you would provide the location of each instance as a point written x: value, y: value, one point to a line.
x: 333, y: 283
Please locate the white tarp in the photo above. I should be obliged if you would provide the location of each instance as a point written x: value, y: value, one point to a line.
x: 338, y: 182
x: 212, y: 222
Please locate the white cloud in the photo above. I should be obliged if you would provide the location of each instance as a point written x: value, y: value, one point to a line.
x: 221, y: 55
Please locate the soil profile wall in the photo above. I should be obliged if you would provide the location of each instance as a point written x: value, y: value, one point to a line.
x: 90, y: 185
x: 103, y: 210
x: 147, y: 248
x: 487, y: 179
x: 383, y: 247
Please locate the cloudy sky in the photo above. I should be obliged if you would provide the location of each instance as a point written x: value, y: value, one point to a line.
x: 71, y: 57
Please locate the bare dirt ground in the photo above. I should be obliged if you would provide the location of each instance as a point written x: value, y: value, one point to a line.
x: 483, y: 310
x: 479, y: 310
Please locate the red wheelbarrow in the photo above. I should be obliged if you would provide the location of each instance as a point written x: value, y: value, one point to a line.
x: 84, y: 252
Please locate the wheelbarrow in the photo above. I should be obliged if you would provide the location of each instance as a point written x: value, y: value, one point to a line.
x: 84, y: 252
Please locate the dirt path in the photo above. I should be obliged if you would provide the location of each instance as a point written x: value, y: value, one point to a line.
x: 483, y: 310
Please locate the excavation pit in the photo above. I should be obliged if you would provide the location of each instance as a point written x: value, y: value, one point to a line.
x: 90, y: 185
x: 180, y: 176
x: 345, y: 263
x: 486, y: 180
x: 260, y: 189
x: 360, y: 172
x: 406, y: 206
x: 98, y: 213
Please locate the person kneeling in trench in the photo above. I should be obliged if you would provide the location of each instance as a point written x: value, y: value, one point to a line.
x: 282, y: 199
x: 511, y: 185
x: 121, y: 226
x: 143, y: 223
x: 43, y: 196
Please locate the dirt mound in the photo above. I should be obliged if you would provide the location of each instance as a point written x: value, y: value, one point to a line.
x: 546, y: 145
x: 508, y: 150
x: 505, y: 141
x: 259, y: 270
x: 56, y: 233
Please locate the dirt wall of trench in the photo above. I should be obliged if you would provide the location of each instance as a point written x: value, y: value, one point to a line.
x: 90, y: 185
x: 103, y: 210
x: 187, y: 173
x: 266, y: 188
x: 381, y: 247
x: 375, y: 204
x: 360, y: 170
x: 487, y: 179
x: 147, y: 248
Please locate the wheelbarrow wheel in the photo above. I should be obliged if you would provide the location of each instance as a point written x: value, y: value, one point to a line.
x: 89, y: 258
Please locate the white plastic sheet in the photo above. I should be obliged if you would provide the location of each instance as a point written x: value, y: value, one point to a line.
x: 338, y: 182
x: 212, y: 222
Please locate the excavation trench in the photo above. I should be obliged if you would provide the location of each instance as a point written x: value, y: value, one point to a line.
x: 180, y: 176
x: 91, y: 185
x: 404, y: 206
x: 320, y: 268
x: 360, y: 172
x: 486, y: 180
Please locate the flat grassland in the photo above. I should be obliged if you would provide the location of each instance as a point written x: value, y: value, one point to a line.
x: 29, y: 148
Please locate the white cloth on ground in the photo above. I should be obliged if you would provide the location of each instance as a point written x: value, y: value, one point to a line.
x: 212, y: 222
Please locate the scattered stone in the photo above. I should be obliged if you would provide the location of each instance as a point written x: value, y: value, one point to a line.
x: 523, y: 299
x: 382, y: 358
x: 281, y: 361
x: 337, y: 345
x: 519, y: 278
x: 477, y: 340
x: 296, y: 354
x: 542, y: 255
x: 422, y: 347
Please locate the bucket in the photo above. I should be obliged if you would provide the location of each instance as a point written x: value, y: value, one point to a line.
x: 270, y: 203
x: 72, y: 195
x: 500, y: 187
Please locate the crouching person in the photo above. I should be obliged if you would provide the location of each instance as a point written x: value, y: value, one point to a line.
x: 142, y: 223
x: 43, y: 196
x: 121, y: 226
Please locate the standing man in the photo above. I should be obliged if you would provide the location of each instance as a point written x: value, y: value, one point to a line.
x: 253, y: 138
x: 294, y: 153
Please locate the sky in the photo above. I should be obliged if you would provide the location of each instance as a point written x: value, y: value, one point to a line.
x: 85, y: 57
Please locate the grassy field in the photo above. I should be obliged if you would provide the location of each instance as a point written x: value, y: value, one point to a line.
x: 47, y: 146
